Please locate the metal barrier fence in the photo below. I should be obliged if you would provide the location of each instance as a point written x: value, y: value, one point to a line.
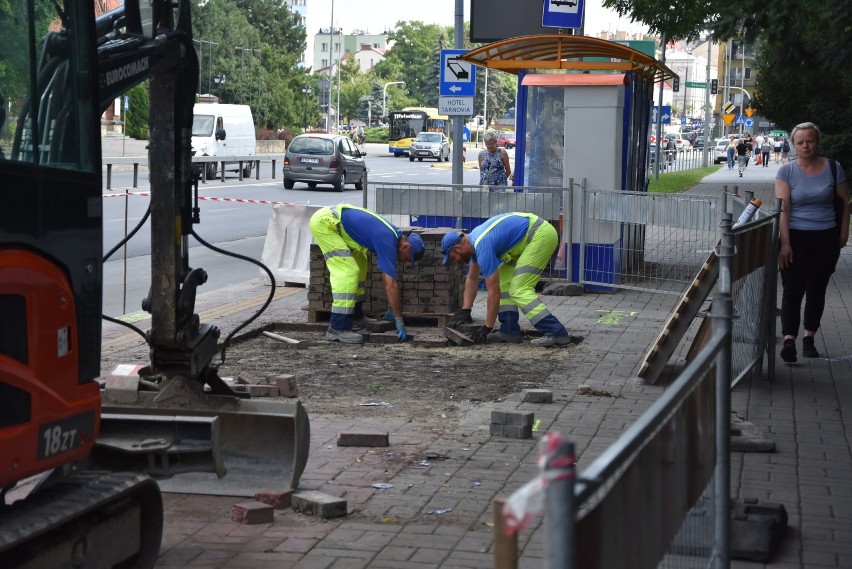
x: 659, y: 495
x: 221, y: 162
x: 646, y: 241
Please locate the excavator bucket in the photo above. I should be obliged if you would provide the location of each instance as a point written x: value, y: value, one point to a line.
x: 263, y: 444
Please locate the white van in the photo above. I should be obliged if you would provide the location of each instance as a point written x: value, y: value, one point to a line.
x: 223, y: 130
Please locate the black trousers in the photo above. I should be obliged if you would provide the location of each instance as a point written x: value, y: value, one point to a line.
x: 815, y: 255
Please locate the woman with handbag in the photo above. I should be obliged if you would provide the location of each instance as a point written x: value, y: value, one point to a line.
x: 813, y: 191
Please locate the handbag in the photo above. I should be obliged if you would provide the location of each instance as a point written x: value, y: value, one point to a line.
x: 838, y: 201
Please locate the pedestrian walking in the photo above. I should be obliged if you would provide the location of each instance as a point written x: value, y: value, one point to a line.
x: 814, y: 226
x: 765, y: 149
x: 510, y: 251
x: 731, y: 150
x: 743, y: 149
x: 785, y: 151
x: 345, y: 234
x: 494, y: 168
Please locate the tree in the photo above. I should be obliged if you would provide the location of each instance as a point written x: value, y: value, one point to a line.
x: 412, y: 60
x: 804, y: 66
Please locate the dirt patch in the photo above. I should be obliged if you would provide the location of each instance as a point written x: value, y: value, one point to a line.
x: 412, y: 380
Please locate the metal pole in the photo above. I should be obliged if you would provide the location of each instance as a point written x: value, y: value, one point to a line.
x: 330, y: 68
x: 658, y: 154
x: 705, y: 161
x: 559, y: 509
x: 722, y: 313
x: 742, y: 87
x: 458, y: 120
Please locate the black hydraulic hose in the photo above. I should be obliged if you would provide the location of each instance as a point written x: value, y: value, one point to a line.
x: 130, y: 235
x: 125, y: 324
x: 265, y: 304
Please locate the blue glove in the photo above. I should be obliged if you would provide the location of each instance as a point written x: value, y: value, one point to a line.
x: 400, y: 330
x: 389, y: 316
x: 480, y: 334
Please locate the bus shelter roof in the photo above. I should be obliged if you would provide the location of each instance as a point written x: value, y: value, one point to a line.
x: 563, y: 52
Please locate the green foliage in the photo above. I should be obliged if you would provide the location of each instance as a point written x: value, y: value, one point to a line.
x: 376, y: 134
x: 136, y: 117
x: 673, y: 182
x: 804, y: 66
x: 413, y: 59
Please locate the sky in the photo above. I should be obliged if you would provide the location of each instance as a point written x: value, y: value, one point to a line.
x: 375, y: 16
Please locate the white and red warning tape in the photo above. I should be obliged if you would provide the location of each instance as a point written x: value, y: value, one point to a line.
x: 212, y: 199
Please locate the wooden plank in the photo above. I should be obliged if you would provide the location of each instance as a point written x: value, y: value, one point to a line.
x: 679, y: 320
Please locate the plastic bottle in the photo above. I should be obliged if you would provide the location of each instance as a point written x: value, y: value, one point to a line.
x: 748, y: 212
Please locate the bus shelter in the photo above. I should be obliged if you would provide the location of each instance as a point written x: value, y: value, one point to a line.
x: 584, y: 110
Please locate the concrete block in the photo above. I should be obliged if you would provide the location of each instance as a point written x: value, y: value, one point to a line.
x: 252, y: 513
x: 245, y: 378
x: 286, y: 384
x: 363, y: 439
x: 262, y: 390
x: 278, y: 499
x: 517, y: 431
x: 379, y: 325
x: 315, y: 503
x: 496, y: 429
x: 525, y: 419
x: 536, y: 396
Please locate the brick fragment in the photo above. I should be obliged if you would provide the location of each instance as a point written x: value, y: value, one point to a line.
x: 245, y: 378
x: 252, y: 513
x: 278, y: 499
x: 286, y: 384
x: 457, y: 337
x: 315, y: 503
x: 536, y: 396
x: 362, y: 439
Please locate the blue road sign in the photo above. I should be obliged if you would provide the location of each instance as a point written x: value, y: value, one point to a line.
x: 666, y: 116
x: 682, y: 120
x: 563, y: 13
x: 458, y: 78
x: 740, y: 119
x: 749, y: 122
x: 465, y: 134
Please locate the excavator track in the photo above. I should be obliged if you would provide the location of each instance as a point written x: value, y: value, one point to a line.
x: 84, y: 521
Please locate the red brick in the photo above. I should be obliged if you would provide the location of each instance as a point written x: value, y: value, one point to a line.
x: 278, y: 499
x: 252, y: 513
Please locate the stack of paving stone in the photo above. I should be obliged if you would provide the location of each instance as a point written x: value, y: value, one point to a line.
x: 429, y: 288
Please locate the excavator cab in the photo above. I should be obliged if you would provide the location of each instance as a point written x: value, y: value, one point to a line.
x: 93, y: 456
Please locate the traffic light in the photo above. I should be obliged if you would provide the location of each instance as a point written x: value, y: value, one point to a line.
x: 675, y: 84
x: 714, y: 86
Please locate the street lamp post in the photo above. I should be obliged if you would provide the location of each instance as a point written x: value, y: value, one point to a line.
x: 307, y: 91
x: 220, y: 80
x: 385, y: 97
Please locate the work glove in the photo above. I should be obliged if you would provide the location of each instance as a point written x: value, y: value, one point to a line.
x: 400, y: 330
x: 461, y: 317
x: 480, y: 334
x: 389, y: 316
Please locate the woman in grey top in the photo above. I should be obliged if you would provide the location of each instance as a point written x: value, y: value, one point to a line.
x: 810, y: 237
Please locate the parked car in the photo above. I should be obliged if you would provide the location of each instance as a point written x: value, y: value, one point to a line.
x: 720, y: 151
x: 681, y: 143
x: 506, y: 140
x: 324, y: 159
x: 430, y: 145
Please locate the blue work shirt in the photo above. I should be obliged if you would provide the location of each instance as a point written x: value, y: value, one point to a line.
x: 493, y: 240
x: 373, y: 233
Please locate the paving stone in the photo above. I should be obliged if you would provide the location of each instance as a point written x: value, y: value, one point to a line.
x: 313, y: 503
x: 537, y: 396
x: 363, y: 439
x: 252, y: 513
x: 278, y: 499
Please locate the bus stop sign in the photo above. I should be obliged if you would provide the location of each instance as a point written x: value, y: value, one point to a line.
x: 563, y: 13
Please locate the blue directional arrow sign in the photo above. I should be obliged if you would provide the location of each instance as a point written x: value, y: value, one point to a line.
x: 563, y: 13
x: 666, y: 115
x: 458, y: 78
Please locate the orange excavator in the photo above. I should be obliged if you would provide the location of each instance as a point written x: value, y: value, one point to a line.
x: 81, y: 471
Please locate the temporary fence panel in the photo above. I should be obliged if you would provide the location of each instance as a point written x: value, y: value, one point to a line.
x: 653, y: 242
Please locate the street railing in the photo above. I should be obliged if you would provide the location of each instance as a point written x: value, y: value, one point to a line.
x: 242, y: 161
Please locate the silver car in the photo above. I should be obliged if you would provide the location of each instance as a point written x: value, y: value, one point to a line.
x: 324, y: 159
x: 430, y: 145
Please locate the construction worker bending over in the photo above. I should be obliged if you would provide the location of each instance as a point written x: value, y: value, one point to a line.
x: 345, y: 234
x: 510, y: 250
